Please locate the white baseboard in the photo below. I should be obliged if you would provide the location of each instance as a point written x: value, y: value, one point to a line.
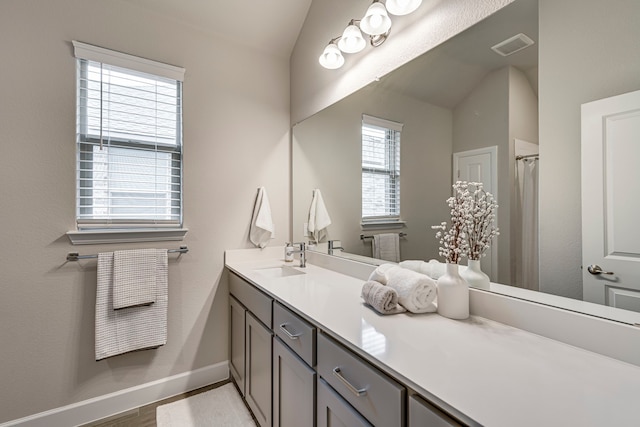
x: 124, y: 400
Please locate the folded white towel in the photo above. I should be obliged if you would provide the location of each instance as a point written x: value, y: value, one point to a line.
x: 319, y: 218
x: 380, y: 273
x: 386, y: 246
x: 382, y: 298
x: 261, y: 229
x: 134, y: 278
x: 433, y: 268
x: 416, y: 292
x: 132, y: 328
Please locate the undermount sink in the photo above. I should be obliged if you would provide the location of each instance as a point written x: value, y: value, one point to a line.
x: 282, y: 271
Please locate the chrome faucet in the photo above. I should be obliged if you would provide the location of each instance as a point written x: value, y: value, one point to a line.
x: 302, y: 251
x: 332, y: 246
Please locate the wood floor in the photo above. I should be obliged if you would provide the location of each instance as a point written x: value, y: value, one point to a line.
x: 145, y: 416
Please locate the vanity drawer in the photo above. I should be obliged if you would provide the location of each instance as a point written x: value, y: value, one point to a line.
x: 256, y: 302
x: 295, y: 332
x: 373, y: 394
x: 422, y: 413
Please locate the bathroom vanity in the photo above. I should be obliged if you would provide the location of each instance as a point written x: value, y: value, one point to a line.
x: 305, y: 350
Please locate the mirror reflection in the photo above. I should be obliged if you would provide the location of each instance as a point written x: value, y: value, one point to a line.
x: 465, y: 111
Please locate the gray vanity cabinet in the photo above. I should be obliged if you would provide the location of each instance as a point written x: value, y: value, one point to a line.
x: 294, y: 385
x: 333, y: 411
x: 424, y: 414
x: 258, y: 378
x: 294, y: 380
x: 293, y: 375
x: 236, y: 342
x: 251, y: 346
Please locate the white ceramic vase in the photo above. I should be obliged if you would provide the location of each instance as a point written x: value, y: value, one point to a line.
x: 453, y: 294
x: 474, y: 276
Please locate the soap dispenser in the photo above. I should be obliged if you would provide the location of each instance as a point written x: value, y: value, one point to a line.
x: 288, y: 252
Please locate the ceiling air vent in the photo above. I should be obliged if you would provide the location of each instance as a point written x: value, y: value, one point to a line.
x: 512, y: 45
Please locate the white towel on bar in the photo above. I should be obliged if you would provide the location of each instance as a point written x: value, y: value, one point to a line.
x: 261, y: 229
x: 319, y: 218
x: 132, y: 328
x: 386, y: 246
x: 134, y: 277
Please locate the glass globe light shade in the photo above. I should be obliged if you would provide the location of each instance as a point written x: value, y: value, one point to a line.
x: 352, y: 40
x: 331, y: 58
x: 402, y: 7
x: 376, y: 21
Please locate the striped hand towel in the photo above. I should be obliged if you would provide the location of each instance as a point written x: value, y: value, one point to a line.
x: 132, y: 328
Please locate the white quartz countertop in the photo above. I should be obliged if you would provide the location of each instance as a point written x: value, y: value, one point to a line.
x: 495, y: 374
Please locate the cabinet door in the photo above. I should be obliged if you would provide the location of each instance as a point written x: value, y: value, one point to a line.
x: 333, y: 411
x: 236, y: 342
x: 423, y: 414
x: 294, y: 389
x: 258, y: 383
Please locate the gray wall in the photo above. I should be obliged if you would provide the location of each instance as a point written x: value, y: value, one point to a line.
x: 502, y: 107
x: 593, y: 56
x: 327, y: 155
x: 236, y: 138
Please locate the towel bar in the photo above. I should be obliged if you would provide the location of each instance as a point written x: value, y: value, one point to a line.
x: 363, y: 237
x: 74, y: 256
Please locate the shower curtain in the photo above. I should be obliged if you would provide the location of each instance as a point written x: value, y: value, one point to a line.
x: 527, y: 261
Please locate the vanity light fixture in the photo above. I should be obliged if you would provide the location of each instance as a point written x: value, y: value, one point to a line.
x: 402, y: 7
x: 351, y: 40
x: 375, y: 23
x: 331, y: 58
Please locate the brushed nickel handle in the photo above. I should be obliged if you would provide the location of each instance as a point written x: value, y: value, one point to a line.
x: 283, y: 328
x: 358, y: 392
x: 596, y: 269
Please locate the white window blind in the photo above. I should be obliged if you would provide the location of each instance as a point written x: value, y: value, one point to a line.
x: 129, y: 141
x: 380, y: 170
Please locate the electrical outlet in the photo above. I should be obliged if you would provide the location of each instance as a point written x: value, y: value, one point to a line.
x: 305, y: 231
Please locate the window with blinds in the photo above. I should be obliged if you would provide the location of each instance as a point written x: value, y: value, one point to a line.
x: 380, y: 170
x: 129, y: 141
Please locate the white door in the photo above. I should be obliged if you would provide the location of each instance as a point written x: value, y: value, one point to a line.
x: 611, y: 201
x: 481, y: 166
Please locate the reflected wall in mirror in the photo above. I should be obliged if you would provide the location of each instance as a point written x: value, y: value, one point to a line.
x: 457, y: 97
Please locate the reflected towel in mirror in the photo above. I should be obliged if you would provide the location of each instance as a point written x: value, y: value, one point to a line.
x: 386, y: 246
x: 319, y: 218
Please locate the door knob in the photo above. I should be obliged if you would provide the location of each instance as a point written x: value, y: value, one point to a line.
x: 596, y: 269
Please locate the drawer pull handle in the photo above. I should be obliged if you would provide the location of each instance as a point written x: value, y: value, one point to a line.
x: 283, y: 328
x: 352, y: 389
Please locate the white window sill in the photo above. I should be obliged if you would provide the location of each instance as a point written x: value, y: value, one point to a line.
x: 92, y: 237
x: 382, y: 225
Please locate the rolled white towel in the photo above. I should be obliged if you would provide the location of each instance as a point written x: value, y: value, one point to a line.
x: 416, y: 292
x: 382, y: 298
x: 380, y: 273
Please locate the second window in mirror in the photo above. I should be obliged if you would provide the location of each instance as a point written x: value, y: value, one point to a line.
x: 380, y: 171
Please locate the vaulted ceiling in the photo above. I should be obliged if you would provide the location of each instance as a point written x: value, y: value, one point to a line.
x: 270, y: 26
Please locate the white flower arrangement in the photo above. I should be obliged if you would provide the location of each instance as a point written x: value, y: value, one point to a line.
x: 472, y: 225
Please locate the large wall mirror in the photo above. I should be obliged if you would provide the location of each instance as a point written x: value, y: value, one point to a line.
x: 461, y: 99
